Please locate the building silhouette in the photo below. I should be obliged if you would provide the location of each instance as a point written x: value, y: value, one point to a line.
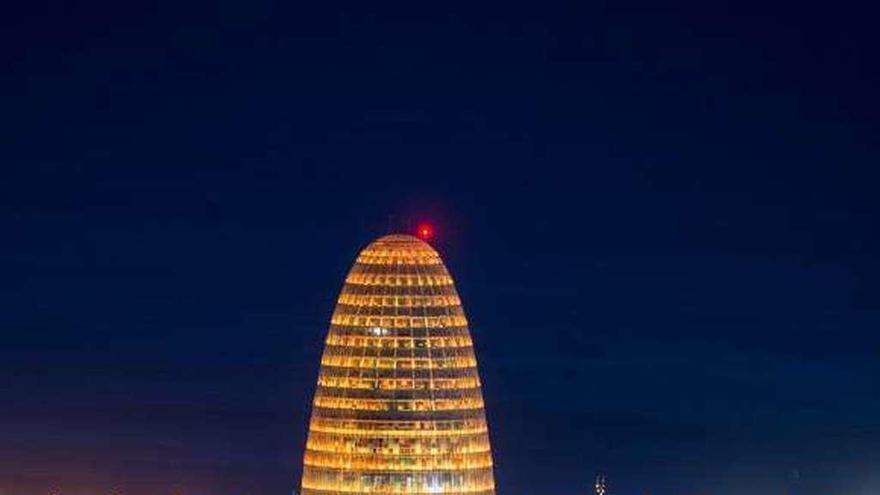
x: 398, y: 407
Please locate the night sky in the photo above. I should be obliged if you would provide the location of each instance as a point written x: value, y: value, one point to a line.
x: 662, y: 218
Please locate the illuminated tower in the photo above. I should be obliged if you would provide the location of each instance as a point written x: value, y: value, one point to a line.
x: 398, y: 408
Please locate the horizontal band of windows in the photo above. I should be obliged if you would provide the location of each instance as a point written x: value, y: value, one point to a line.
x: 403, y: 251
x: 399, y: 269
x: 399, y: 245
x: 385, y: 392
x: 310, y: 491
x: 395, y: 311
x: 462, y: 479
x: 364, y: 330
x: 413, y: 374
x: 399, y: 321
x: 389, y: 370
x: 397, y: 383
x: 399, y: 301
x: 446, y: 444
x: 397, y: 433
x: 443, y: 356
x: 370, y: 257
x: 470, y: 482
x: 394, y: 384
x: 369, y: 363
x: 462, y: 444
x: 392, y: 490
x: 411, y: 358
x: 372, y: 404
x: 393, y: 446
x: 398, y: 263
x: 405, y: 248
x: 461, y: 414
x: 395, y: 279
x: 399, y: 426
x: 423, y: 353
x: 398, y: 395
x: 394, y: 434
x: 404, y: 269
x: 397, y: 342
x: 401, y: 290
x: 478, y: 421
x: 366, y: 363
x: 404, y: 314
x: 407, y: 464
x: 334, y: 373
x: 374, y: 373
x: 332, y: 461
x: 402, y: 332
x: 405, y: 461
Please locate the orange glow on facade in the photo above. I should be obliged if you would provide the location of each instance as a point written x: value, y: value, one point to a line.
x: 398, y: 408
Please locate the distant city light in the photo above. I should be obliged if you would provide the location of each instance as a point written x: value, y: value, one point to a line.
x: 600, y: 486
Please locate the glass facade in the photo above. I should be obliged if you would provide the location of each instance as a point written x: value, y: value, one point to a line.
x: 398, y: 408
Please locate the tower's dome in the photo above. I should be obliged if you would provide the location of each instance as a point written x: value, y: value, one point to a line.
x: 398, y: 407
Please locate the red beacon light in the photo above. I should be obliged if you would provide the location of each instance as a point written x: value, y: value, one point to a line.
x: 425, y: 231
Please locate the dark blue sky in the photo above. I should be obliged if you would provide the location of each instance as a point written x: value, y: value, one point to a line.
x: 662, y: 220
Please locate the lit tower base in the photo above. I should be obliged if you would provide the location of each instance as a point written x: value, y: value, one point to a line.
x: 398, y: 408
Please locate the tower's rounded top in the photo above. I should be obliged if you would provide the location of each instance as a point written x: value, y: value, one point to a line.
x: 402, y: 240
x: 399, y: 248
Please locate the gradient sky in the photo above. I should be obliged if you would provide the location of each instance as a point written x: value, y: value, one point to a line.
x: 662, y: 221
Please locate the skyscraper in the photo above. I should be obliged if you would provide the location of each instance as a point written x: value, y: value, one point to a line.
x: 398, y: 408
